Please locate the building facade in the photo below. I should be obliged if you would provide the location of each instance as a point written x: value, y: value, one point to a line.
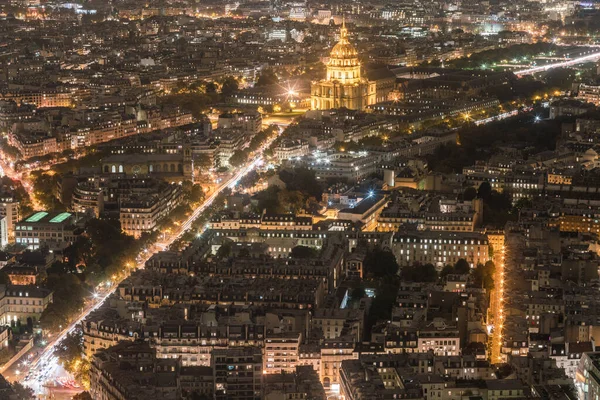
x: 237, y: 373
x: 9, y: 208
x: 441, y: 248
x: 53, y: 230
x: 23, y: 303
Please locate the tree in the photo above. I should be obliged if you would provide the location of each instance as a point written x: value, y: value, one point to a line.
x: 267, y: 77
x: 197, y: 86
x: 303, y: 252
x: 230, y: 86
x: 249, y: 180
x: 483, y: 275
x: 196, y: 102
x: 238, y: 158
x: 80, y: 252
x: 489, y: 57
x: 186, y: 185
x: 447, y: 270
x: 560, y: 78
x: 67, y: 301
x: 202, y: 160
x: 70, y: 354
x: 462, y: 267
x: 523, y: 202
x: 60, y: 267
x: 302, y: 179
x: 481, y: 142
x: 382, y: 304
x: 83, y: 373
x: 197, y: 194
x: 419, y: 273
x: 291, y: 201
x: 210, y: 87
x: 470, y: 193
x: 180, y: 212
x: 498, y: 209
x: 43, y: 185
x: 224, y: 251
x: 505, y: 370
x: 8, y: 150
x: 111, y: 249
x: 22, y: 392
x: 261, y: 137
x: 268, y: 200
x: 380, y: 263
x: 484, y: 191
x: 70, y: 348
x: 428, y: 273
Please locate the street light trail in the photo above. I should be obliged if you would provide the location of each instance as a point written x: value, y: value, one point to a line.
x: 498, y: 308
x: 568, y: 63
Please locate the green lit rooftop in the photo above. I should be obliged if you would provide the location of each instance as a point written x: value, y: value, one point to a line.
x: 46, y: 217
x: 60, y: 217
x: 37, y: 216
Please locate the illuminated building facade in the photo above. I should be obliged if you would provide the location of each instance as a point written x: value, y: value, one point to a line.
x: 344, y: 85
x: 440, y: 248
x: 45, y: 229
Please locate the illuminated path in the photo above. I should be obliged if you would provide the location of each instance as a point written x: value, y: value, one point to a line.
x: 590, y: 57
x: 498, y: 308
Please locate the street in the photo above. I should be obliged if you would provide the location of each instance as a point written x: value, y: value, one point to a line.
x: 45, y: 371
x: 568, y: 63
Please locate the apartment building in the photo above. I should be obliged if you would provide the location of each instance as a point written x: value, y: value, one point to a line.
x: 23, y: 303
x: 440, y: 248
x: 237, y: 373
x: 142, y: 214
x: 9, y: 208
x: 281, y: 351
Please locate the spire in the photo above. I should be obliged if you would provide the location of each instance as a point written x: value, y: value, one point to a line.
x: 343, y: 30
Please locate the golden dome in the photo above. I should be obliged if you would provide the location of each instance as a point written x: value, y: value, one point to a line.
x: 343, y: 49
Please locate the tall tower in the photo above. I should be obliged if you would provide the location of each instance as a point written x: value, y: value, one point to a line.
x: 344, y: 86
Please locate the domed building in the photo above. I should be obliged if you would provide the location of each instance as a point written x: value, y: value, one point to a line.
x: 344, y: 85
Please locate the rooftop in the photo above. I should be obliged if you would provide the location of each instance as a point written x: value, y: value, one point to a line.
x: 37, y: 216
x: 45, y: 217
x: 60, y: 217
x: 365, y: 205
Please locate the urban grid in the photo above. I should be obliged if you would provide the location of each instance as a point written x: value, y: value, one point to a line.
x: 299, y: 199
